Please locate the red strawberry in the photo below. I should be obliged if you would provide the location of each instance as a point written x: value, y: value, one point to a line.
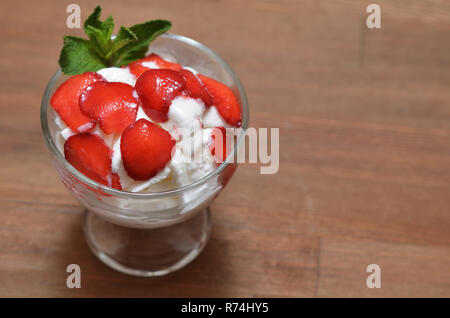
x: 146, y: 149
x: 115, y: 182
x: 65, y: 101
x: 156, y: 89
x: 111, y: 104
x: 224, y: 100
x: 89, y: 155
x: 218, y: 145
x: 195, y: 89
x: 137, y: 68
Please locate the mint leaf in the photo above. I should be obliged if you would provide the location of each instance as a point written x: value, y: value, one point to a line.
x: 131, y: 56
x: 148, y: 31
x: 98, y: 38
x: 124, y: 37
x: 78, y: 56
x: 125, y: 34
x: 99, y: 31
x: 94, y: 22
x: 145, y: 32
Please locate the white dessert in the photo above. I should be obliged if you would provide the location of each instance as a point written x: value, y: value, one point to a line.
x: 117, y: 74
x: 189, y: 123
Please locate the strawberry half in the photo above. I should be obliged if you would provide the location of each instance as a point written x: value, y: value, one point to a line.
x: 89, y: 155
x: 224, y: 100
x: 156, y: 89
x: 146, y: 149
x: 137, y: 67
x: 195, y: 89
x: 65, y: 101
x: 111, y: 104
x: 218, y: 144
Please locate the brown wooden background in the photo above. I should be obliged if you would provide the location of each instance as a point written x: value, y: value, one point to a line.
x: 364, y: 118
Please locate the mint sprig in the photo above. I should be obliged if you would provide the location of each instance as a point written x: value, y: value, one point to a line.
x: 81, y: 55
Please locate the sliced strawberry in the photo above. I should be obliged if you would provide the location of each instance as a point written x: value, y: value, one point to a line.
x: 156, y: 89
x: 115, y: 181
x: 111, y: 104
x: 146, y: 149
x: 138, y: 67
x: 218, y: 144
x: 223, y: 98
x: 89, y: 155
x: 65, y: 101
x: 195, y: 89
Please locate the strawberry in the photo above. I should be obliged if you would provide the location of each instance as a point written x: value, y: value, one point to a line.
x: 156, y: 89
x: 223, y: 98
x: 115, y: 182
x: 136, y: 67
x: 146, y: 149
x: 111, y: 104
x: 65, y: 101
x: 89, y: 155
x: 218, y: 144
x: 195, y: 89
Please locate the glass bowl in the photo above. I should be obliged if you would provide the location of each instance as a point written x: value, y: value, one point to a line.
x: 149, y: 234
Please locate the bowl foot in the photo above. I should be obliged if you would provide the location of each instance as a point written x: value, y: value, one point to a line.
x: 147, y: 252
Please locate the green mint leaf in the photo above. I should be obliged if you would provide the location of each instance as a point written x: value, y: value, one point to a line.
x: 148, y: 31
x: 131, y: 56
x: 94, y: 21
x: 108, y: 27
x: 124, y: 37
x: 145, y: 32
x: 78, y: 56
x: 125, y: 34
x: 98, y: 38
x: 117, y: 45
x: 99, y: 31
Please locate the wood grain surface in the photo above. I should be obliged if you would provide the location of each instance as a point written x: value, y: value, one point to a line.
x: 364, y: 118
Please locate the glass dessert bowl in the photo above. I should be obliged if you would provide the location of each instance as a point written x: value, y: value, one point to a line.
x: 149, y: 233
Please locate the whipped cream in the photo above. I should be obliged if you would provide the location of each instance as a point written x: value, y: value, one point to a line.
x: 189, y: 123
x: 213, y: 119
x: 118, y: 74
x: 150, y: 64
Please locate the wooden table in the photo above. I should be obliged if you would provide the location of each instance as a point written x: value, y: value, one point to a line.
x: 364, y: 118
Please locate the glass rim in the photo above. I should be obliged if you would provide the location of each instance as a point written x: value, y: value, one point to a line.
x: 140, y: 195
